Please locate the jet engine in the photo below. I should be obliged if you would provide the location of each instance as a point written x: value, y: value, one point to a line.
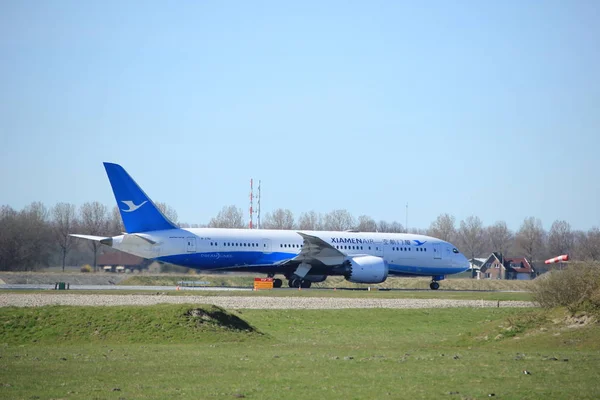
x: 366, y: 269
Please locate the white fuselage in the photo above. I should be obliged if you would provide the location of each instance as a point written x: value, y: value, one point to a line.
x: 263, y: 250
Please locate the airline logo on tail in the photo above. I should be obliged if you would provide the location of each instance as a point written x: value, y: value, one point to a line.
x: 132, y: 206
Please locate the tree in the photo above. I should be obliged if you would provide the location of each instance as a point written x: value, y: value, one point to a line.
x: 94, y: 222
x: 167, y: 211
x: 588, y: 244
x: 339, y: 220
x: 530, y: 238
x: 366, y: 224
x: 36, y: 235
x: 471, y: 235
x: 9, y: 238
x: 228, y: 217
x: 393, y: 227
x: 560, y: 238
x: 500, y: 237
x: 115, y: 224
x: 443, y: 228
x: 63, y: 223
x: 279, y: 219
x: 310, y: 221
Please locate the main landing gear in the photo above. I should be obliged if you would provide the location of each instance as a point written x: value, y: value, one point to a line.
x: 299, y: 283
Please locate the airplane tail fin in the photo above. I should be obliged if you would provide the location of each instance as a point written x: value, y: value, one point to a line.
x: 139, y: 213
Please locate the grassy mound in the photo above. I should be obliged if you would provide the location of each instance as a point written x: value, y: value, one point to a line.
x: 577, y: 288
x: 164, y: 323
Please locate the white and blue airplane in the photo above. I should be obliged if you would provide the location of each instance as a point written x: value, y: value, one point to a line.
x: 302, y: 257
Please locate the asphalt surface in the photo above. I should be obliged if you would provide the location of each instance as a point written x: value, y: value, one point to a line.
x: 218, y: 288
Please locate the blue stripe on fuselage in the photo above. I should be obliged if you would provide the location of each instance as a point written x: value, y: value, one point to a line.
x: 233, y: 259
x: 225, y: 259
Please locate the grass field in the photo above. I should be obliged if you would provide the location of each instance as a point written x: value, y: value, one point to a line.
x: 192, y: 352
x: 331, y: 282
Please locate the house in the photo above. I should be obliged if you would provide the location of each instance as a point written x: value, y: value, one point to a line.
x: 496, y: 266
x: 117, y: 261
x: 475, y: 266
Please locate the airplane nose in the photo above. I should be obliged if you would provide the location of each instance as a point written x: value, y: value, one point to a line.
x: 463, y: 262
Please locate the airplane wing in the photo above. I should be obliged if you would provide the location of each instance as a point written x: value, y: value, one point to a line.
x: 316, y: 251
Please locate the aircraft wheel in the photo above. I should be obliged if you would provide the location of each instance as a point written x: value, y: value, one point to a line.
x: 434, y: 285
x: 295, y: 283
x: 277, y: 283
x: 305, y: 284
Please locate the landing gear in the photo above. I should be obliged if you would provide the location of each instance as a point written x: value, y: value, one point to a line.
x: 434, y: 285
x: 277, y: 283
x: 299, y: 283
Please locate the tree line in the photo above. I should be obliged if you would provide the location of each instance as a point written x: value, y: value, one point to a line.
x: 37, y: 236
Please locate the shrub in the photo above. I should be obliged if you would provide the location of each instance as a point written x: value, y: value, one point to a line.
x: 576, y: 288
x: 86, y: 268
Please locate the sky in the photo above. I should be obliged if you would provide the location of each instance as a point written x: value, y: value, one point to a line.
x: 465, y: 107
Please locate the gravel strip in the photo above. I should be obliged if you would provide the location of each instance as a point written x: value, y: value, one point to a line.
x: 239, y: 302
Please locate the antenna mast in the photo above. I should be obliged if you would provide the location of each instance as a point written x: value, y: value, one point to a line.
x: 251, y: 203
x: 258, y: 205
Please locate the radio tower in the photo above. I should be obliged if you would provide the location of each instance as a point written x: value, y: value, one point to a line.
x: 252, y: 197
x: 251, y: 203
x: 258, y: 219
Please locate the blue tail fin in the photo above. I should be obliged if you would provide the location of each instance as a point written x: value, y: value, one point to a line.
x: 139, y: 213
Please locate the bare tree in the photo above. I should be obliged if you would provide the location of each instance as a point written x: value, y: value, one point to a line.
x: 9, y: 239
x: 228, y: 217
x: 443, y: 228
x: 279, y: 219
x: 115, y: 225
x: 63, y: 223
x: 94, y: 221
x: 366, y: 224
x: 339, y: 220
x: 37, y: 235
x: 470, y: 233
x: 560, y: 238
x: 167, y: 211
x: 588, y: 244
x: 387, y: 227
x: 500, y: 237
x: 530, y: 238
x: 310, y: 221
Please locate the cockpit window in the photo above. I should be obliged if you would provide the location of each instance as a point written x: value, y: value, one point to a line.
x: 455, y: 250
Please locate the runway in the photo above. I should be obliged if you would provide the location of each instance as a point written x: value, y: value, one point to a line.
x: 224, y: 288
x: 119, y: 287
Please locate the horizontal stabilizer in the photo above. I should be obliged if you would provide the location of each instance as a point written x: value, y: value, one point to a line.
x: 102, y: 239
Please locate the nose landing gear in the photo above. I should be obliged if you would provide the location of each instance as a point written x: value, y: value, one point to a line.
x: 434, y: 285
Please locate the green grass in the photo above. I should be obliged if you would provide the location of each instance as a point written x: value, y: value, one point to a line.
x: 328, y: 354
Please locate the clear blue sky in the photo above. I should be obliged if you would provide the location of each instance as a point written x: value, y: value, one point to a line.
x: 465, y: 107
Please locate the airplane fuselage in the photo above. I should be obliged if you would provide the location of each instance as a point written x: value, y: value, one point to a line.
x: 262, y: 250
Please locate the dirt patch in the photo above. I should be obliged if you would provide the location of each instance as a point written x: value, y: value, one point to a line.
x: 579, y: 320
x: 218, y: 317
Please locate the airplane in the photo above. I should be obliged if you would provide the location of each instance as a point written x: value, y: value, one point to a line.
x: 302, y: 257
